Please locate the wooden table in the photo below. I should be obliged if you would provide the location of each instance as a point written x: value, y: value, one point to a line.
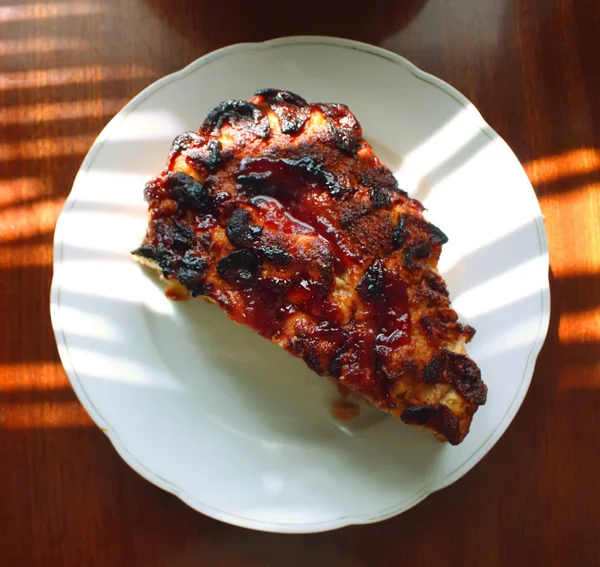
x: 532, y: 67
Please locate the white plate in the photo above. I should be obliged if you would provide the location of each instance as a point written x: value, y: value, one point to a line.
x: 211, y: 412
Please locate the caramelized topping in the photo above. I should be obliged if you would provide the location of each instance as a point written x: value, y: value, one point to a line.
x: 291, y: 109
x: 208, y: 156
x: 343, y: 127
x: 191, y: 269
x: 240, y: 268
x: 186, y: 141
x: 410, y: 225
x: 301, y: 233
x: 381, y: 184
x: 187, y: 191
x: 240, y: 231
x: 459, y: 371
x: 438, y: 417
x: 241, y: 115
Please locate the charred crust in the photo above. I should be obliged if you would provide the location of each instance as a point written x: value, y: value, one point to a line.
x: 240, y: 231
x: 353, y: 353
x: 186, y: 141
x: 380, y: 197
x: 469, y: 332
x: 290, y: 122
x: 460, y: 372
x: 427, y: 327
x: 243, y: 234
x: 442, y: 325
x: 147, y: 251
x: 436, y: 236
x: 313, y: 362
x: 183, y: 236
x: 379, y: 176
x: 200, y: 288
x: 372, y: 284
x: 416, y: 227
x: 419, y: 251
x: 163, y: 258
x: 436, y: 284
x: 423, y: 294
x: 343, y: 127
x: 240, y: 268
x: 279, y: 96
x: 191, y: 268
x: 400, y: 233
x: 337, y: 362
x: 173, y: 238
x: 438, y: 417
x: 208, y: 156
x: 241, y: 115
x: 327, y: 178
x: 447, y: 315
x: 380, y: 182
x: 291, y: 110
x: 275, y: 255
x: 187, y: 191
x: 314, y: 343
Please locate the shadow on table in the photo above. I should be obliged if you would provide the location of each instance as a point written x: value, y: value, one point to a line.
x: 248, y: 21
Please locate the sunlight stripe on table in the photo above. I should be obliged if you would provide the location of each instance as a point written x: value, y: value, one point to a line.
x: 19, y: 189
x: 572, y: 230
x: 46, y: 11
x: 46, y: 148
x: 56, y: 111
x: 43, y: 415
x: 567, y: 164
x: 580, y: 326
x: 19, y: 376
x: 25, y: 255
x: 23, y: 46
x: 72, y: 75
x: 25, y: 221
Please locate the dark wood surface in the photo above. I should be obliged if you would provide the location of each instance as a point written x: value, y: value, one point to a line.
x: 532, y: 67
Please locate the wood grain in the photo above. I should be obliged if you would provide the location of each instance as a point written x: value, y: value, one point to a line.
x: 530, y: 66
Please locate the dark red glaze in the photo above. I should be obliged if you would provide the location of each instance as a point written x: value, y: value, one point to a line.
x: 393, y: 320
x: 265, y: 312
x: 307, y: 191
x: 275, y: 216
x: 296, y: 196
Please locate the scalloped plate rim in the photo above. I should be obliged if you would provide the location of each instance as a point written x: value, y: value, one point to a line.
x: 165, y: 484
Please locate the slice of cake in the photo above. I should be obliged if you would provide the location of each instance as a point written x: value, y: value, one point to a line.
x: 281, y: 213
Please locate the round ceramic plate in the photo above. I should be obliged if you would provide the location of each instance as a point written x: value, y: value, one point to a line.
x: 227, y: 421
